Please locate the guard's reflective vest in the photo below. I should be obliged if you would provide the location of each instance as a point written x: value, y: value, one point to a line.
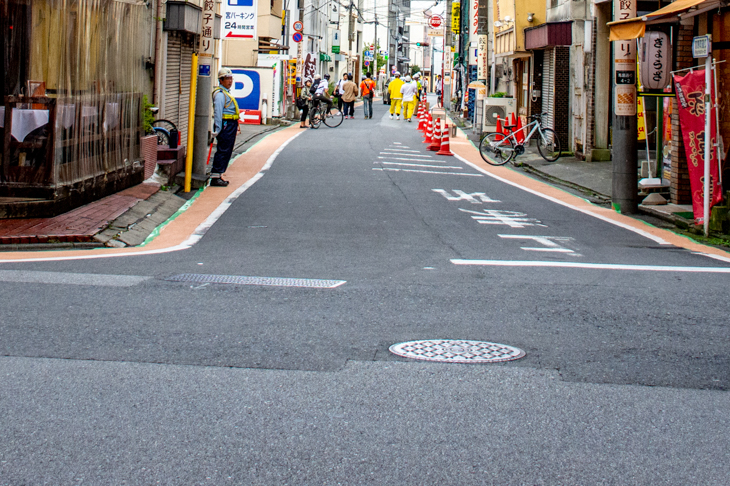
x: 229, y: 100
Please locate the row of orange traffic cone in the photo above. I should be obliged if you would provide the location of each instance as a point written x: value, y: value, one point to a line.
x: 437, y: 138
x: 516, y: 123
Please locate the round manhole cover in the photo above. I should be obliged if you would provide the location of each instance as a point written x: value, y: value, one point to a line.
x: 456, y: 351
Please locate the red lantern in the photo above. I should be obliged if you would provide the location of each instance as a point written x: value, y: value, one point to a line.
x: 655, y: 60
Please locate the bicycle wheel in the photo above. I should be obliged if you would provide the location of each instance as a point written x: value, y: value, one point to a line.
x: 314, y: 117
x: 163, y: 136
x: 333, y: 118
x: 496, y: 149
x: 166, y: 124
x: 548, y: 144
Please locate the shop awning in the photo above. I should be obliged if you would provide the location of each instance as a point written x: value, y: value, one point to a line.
x: 635, y: 28
x: 548, y: 35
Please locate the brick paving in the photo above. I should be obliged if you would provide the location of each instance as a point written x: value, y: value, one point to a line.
x: 79, y: 225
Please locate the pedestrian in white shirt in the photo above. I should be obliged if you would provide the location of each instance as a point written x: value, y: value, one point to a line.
x: 408, y: 90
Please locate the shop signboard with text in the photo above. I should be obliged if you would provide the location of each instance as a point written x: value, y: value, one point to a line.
x: 239, y: 19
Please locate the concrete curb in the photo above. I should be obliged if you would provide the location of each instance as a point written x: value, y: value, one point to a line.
x: 550, y: 178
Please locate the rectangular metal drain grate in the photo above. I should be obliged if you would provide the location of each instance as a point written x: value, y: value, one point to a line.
x: 270, y: 281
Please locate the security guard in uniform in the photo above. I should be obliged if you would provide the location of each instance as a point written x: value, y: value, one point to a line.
x: 225, y: 126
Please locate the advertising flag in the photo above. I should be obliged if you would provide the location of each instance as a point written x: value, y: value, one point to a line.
x: 691, y: 102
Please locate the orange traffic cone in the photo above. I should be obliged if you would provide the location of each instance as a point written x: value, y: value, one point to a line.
x: 429, y: 130
x: 436, y: 139
x: 426, y: 118
x: 421, y: 120
x: 519, y: 133
x: 445, y: 146
x: 499, y: 125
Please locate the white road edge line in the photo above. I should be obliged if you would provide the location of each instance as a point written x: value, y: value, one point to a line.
x: 593, y: 266
x: 197, y: 234
x: 709, y: 255
x: 568, y: 205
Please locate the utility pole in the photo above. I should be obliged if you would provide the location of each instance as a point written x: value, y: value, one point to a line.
x: 375, y: 53
x: 350, y: 38
x: 624, y: 157
x: 203, y: 102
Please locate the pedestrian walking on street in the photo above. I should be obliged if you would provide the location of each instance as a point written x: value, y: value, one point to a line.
x: 367, y: 91
x: 408, y: 91
x: 439, y: 89
x: 303, y: 102
x: 419, y: 86
x: 395, y: 96
x: 339, y: 91
x: 348, y: 97
x: 225, y: 126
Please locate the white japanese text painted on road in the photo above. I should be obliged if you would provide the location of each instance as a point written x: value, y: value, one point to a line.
x: 462, y: 196
x: 548, y: 242
x: 513, y: 219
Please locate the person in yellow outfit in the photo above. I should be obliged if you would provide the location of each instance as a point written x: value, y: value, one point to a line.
x: 395, y: 96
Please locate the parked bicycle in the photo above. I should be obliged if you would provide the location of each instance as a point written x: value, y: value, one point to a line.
x: 500, y: 148
x: 332, y: 118
x: 164, y: 129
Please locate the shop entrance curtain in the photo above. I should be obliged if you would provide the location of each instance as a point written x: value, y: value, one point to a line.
x: 85, y: 59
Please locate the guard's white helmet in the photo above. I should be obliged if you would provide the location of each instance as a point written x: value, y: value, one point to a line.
x: 417, y: 75
x: 397, y: 74
x: 225, y: 73
x: 317, y: 76
x: 407, y: 79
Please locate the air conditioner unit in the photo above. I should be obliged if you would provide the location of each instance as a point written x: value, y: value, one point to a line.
x: 497, y: 107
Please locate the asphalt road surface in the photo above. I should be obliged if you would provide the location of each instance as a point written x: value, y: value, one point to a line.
x: 144, y: 370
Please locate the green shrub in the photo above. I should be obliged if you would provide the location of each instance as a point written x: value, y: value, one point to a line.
x: 148, y: 116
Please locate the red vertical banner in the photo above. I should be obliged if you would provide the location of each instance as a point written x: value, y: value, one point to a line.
x: 691, y: 102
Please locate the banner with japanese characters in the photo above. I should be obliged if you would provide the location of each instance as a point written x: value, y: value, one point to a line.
x: 624, y: 62
x: 239, y: 19
x: 691, y: 102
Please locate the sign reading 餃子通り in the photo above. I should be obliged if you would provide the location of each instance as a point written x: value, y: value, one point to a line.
x: 239, y: 19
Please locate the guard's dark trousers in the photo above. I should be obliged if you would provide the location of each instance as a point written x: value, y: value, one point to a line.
x: 226, y: 141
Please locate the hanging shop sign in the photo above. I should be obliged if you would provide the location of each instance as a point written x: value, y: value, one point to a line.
x: 310, y: 66
x: 482, y: 58
x: 624, y: 61
x: 655, y: 60
x: 701, y: 46
x: 455, y: 17
x: 336, y: 41
x: 239, y: 19
x: 691, y: 103
x: 207, y: 42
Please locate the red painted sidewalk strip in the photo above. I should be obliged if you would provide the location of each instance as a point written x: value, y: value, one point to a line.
x: 78, y: 225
